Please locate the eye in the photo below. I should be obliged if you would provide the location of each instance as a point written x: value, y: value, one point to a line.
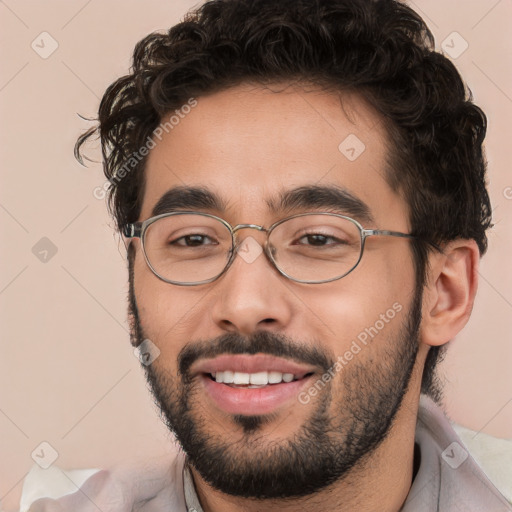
x: 194, y: 240
x: 319, y: 240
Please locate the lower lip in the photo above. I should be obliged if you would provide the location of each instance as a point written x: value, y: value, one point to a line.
x: 252, y: 401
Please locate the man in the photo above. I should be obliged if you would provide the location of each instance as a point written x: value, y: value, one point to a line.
x: 301, y: 189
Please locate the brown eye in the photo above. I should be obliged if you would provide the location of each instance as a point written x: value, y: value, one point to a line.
x: 195, y: 240
x: 318, y: 240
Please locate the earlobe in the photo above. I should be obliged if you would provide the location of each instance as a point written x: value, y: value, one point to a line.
x: 450, y: 292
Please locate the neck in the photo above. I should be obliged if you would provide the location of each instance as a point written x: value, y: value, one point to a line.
x: 379, y: 482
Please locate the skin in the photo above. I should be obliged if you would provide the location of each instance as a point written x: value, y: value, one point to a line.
x: 247, y: 144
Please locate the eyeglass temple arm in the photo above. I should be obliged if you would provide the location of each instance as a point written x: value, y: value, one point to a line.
x: 132, y: 230
x: 385, y: 232
x: 369, y: 232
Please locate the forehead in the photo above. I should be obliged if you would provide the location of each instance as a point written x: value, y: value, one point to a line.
x: 250, y: 144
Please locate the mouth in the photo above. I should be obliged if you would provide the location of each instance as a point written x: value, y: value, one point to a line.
x: 252, y: 384
x: 256, y: 380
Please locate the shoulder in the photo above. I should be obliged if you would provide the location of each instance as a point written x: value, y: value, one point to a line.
x: 118, y: 489
x: 474, y: 475
x: 493, y: 455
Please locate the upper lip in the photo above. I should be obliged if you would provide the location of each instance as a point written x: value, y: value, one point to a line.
x: 246, y: 363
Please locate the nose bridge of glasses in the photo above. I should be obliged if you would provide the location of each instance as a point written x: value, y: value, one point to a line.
x: 257, y: 227
x: 248, y: 226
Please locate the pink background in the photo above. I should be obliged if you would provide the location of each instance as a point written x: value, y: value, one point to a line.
x: 68, y: 375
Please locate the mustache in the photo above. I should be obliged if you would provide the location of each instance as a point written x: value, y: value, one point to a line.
x: 261, y: 342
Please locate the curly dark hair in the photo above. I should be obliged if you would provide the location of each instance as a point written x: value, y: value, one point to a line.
x: 380, y: 49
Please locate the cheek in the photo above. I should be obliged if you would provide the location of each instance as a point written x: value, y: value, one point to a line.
x: 370, y: 303
x: 146, y: 288
x: 161, y: 310
x: 170, y: 316
x: 387, y: 269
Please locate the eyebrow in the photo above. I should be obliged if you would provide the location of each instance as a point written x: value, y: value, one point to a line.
x: 188, y: 198
x: 328, y: 197
x: 310, y: 197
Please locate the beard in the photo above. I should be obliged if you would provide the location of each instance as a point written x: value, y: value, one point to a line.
x: 343, y: 430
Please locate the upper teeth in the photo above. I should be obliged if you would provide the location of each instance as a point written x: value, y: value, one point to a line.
x: 259, y: 378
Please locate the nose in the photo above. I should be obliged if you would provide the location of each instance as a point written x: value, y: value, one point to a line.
x: 252, y: 295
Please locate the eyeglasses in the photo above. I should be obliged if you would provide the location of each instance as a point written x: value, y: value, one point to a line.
x: 192, y: 248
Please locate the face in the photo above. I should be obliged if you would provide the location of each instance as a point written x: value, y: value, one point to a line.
x: 350, y: 345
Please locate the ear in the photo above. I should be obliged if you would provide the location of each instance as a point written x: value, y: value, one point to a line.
x: 450, y: 291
